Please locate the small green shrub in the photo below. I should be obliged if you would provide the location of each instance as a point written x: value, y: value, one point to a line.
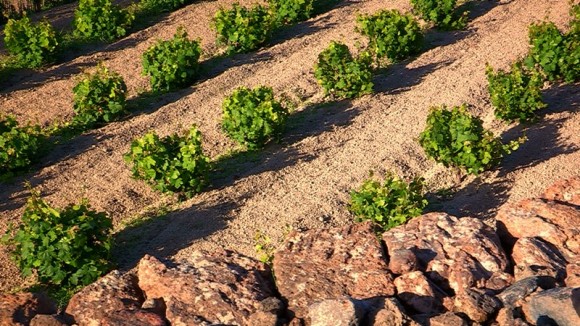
x: 441, y: 12
x: 390, y: 204
x: 101, y: 20
x: 68, y: 247
x: 455, y: 138
x: 32, y: 44
x: 242, y: 29
x: 156, y: 6
x: 170, y: 164
x: 290, y: 11
x: 342, y: 75
x: 19, y: 146
x: 252, y: 116
x: 516, y: 95
x: 391, y: 34
x: 99, y: 98
x: 172, y: 64
x: 264, y: 247
x: 556, y: 53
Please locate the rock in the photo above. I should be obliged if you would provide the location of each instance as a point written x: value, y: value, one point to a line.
x: 444, y: 243
x: 132, y: 318
x: 387, y: 312
x: 218, y: 288
x: 417, y: 292
x: 534, y: 256
x: 336, y: 312
x: 476, y: 304
x: 403, y: 261
x: 506, y: 317
x: 573, y: 275
x: 554, y: 223
x: 566, y: 191
x: 523, y: 288
x: 21, y: 308
x: 324, y: 264
x: 560, y: 305
x: 263, y: 318
x: 499, y: 282
x: 46, y: 320
x: 113, y: 293
x: 447, y: 319
x: 155, y: 305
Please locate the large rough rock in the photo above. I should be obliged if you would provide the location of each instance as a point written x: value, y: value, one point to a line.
x: 558, y: 224
x: 565, y: 191
x: 417, y: 292
x: 512, y: 296
x: 476, y: 304
x: 387, y: 312
x: 21, y: 308
x: 573, y: 275
x: 447, y: 319
x: 455, y: 253
x: 560, y: 305
x: 336, y: 312
x: 324, y: 264
x: 100, y: 302
x: 534, y: 256
x: 219, y: 288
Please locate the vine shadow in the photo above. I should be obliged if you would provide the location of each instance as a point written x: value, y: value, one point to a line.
x: 311, y: 121
x: 166, y: 234
x: 398, y: 78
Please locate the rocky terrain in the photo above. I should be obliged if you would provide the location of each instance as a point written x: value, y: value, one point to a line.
x: 435, y: 270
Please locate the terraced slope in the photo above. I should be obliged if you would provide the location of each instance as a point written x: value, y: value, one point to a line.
x: 328, y: 149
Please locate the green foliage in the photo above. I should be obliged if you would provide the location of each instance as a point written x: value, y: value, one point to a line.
x: 155, y: 6
x: 32, y: 44
x: 391, y: 34
x: 68, y: 247
x: 516, y: 95
x: 252, y: 116
x: 173, y: 63
x: 99, y: 97
x: 556, y: 53
x: 242, y: 29
x: 389, y: 204
x: 455, y: 138
x: 170, y: 164
x: 101, y: 20
x: 264, y: 247
x: 441, y: 12
x: 342, y: 75
x: 18, y: 145
x: 291, y: 11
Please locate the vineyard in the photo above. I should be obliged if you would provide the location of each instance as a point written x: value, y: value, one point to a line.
x: 192, y: 128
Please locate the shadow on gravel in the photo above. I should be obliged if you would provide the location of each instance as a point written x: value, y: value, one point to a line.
x: 311, y: 121
x: 166, y: 234
x: 398, y: 78
x: 481, y: 199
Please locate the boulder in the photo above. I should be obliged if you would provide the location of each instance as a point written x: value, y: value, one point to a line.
x: 46, y: 320
x: 336, y: 312
x: 218, y: 288
x: 315, y: 265
x: 132, y: 318
x: 512, y: 296
x: 447, y: 319
x: 534, y: 256
x: 565, y: 191
x: 559, y: 305
x: 418, y: 293
x: 109, y: 295
x: 403, y: 261
x: 573, y: 275
x: 507, y: 317
x: 444, y: 245
x: 21, y: 308
x: 384, y: 311
x: 476, y: 304
x: 555, y: 223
